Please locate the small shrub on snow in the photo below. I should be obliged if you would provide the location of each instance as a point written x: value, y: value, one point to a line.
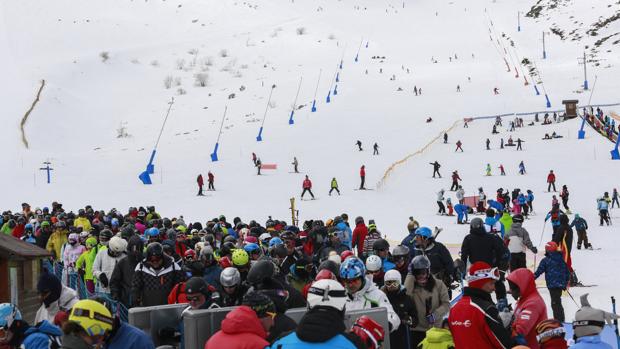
x: 201, y: 79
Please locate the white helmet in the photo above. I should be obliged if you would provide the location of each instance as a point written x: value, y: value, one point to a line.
x: 230, y: 277
x: 118, y: 245
x: 334, y: 257
x: 392, y: 275
x: 373, y: 263
x: 264, y: 236
x: 327, y: 293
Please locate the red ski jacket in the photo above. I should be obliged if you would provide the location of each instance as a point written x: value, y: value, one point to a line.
x: 362, y: 172
x: 200, y: 181
x: 359, y: 236
x: 530, y: 308
x: 307, y: 184
x: 551, y: 178
x: 211, y: 177
x: 474, y: 322
x: 241, y: 329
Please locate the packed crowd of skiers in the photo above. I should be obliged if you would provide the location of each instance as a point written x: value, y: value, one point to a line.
x: 141, y: 259
x: 602, y: 123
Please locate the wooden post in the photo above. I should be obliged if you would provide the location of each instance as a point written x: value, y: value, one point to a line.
x: 5, y: 294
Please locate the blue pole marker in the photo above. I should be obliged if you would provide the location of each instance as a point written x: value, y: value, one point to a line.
x: 214, y: 154
x: 615, y: 154
x: 582, y: 133
x: 341, y: 64
x: 536, y: 89
x: 145, y: 178
x: 356, y: 56
x: 260, y: 134
x: 214, y: 157
x: 548, y: 101
x: 314, y: 106
x: 337, y: 77
x: 327, y: 100
x: 47, y: 169
x: 335, y: 90
x: 585, y: 84
x: 150, y: 168
x: 290, y: 120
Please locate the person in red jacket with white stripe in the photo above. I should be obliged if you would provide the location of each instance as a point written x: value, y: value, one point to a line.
x: 530, y: 308
x: 474, y: 320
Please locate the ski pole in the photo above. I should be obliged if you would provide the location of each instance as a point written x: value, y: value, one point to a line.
x: 613, y: 304
x: 540, y: 242
x: 571, y: 297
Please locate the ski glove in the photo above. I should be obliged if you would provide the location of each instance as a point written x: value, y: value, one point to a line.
x: 520, y: 340
x: 430, y: 318
x: 534, y: 250
x: 506, y: 317
x: 103, y: 279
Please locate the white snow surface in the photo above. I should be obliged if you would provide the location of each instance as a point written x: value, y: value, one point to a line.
x: 85, y: 100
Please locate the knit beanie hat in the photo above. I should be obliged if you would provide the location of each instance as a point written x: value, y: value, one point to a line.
x: 480, y: 273
x: 260, y: 303
x: 590, y: 321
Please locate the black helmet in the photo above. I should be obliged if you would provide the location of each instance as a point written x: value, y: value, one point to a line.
x: 154, y: 249
x: 330, y: 265
x: 476, y: 223
x: 127, y: 232
x: 517, y: 218
x: 197, y: 285
x: 106, y: 233
x: 261, y: 271
x: 278, y: 250
x: 167, y: 223
x: 227, y: 248
x: 400, y: 250
x: 230, y: 238
x: 381, y: 245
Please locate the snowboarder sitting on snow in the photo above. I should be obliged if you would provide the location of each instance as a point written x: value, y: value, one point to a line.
x: 556, y: 276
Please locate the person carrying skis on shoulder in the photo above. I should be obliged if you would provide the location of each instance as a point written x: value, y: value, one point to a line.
x: 557, y: 276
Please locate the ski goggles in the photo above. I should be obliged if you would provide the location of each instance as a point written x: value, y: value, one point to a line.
x: 392, y: 283
x: 4, y: 333
x: 492, y: 273
x: 554, y: 333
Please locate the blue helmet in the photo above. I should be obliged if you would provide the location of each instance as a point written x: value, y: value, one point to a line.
x: 251, y: 248
x: 114, y: 222
x: 152, y: 232
x: 8, y: 314
x: 425, y: 232
x: 352, y: 268
x: 29, y: 227
x: 275, y: 241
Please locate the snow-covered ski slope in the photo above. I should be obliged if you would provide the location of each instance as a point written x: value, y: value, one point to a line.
x: 256, y: 44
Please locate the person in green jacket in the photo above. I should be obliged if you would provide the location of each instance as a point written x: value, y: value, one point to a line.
x: 438, y: 338
x: 7, y: 227
x: 506, y: 221
x: 334, y: 186
x: 85, y: 263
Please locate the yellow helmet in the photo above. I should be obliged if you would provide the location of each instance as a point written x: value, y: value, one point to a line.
x: 93, y: 316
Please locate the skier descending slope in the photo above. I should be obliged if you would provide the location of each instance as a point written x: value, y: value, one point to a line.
x: 362, y: 177
x: 307, y: 187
